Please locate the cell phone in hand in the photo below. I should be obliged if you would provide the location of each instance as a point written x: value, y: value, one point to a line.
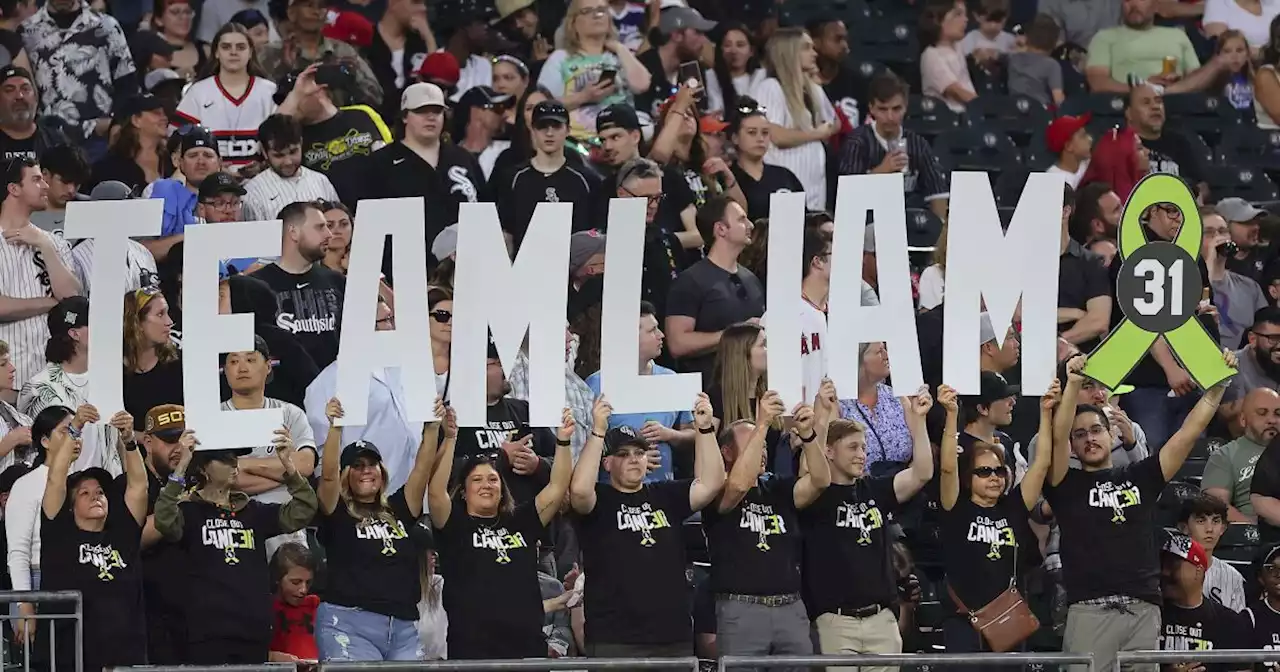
x: 690, y: 74
x: 608, y: 76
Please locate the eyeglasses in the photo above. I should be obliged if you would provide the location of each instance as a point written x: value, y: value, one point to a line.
x: 1082, y: 434
x: 1268, y: 337
x: 988, y: 472
x: 224, y: 205
x: 654, y: 199
x: 441, y: 316
x: 1272, y: 571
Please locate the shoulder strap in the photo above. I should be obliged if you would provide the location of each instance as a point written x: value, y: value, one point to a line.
x: 956, y: 599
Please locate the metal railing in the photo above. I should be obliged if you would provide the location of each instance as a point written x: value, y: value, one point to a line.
x: 1211, y: 656
x: 908, y: 659
x: 689, y: 663
x: 47, y: 597
x: 262, y: 667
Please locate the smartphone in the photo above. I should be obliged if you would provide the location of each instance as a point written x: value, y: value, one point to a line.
x: 334, y: 76
x: 690, y: 74
x: 608, y: 76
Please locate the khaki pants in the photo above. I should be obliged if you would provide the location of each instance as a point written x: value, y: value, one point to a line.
x: 1104, y: 631
x: 877, y: 633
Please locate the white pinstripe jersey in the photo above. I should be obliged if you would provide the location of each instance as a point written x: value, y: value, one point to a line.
x: 234, y: 122
x: 267, y: 193
x: 137, y: 259
x: 23, y: 275
x: 813, y: 343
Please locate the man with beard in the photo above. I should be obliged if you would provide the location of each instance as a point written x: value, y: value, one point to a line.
x: 287, y: 180
x: 1139, y: 49
x: 1229, y: 474
x: 1106, y: 516
x: 310, y: 294
x: 22, y: 131
x: 1084, y: 287
x: 1096, y: 215
x: 1259, y: 362
x: 682, y: 33
x: 162, y: 561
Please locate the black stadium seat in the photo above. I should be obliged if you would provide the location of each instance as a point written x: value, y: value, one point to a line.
x: 1191, y: 472
x: 1019, y: 116
x: 1208, y: 116
x: 930, y: 117
x: 1101, y: 105
x: 984, y: 149
x: 1250, y: 147
x: 1251, y: 184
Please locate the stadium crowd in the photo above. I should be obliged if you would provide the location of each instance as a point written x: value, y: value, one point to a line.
x: 868, y: 520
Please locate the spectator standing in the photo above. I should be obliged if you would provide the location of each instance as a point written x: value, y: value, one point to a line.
x: 753, y: 533
x: 681, y: 39
x: 577, y: 394
x: 139, y: 267
x: 1084, y: 287
x: 82, y: 66
x: 65, y: 170
x: 163, y: 568
x: 1244, y: 223
x: 286, y: 180
x: 1033, y: 72
x: 1096, y: 215
x: 294, y: 609
x: 198, y: 159
x: 1204, y: 519
x: 1251, y: 18
x: 477, y: 123
x: 716, y: 292
x: 1170, y: 150
x: 1068, y: 138
x: 642, y: 178
x: 232, y: 98
x: 226, y: 558
x: 510, y: 78
x: 172, y: 21
x: 15, y: 440
x: 1106, y: 517
x: 749, y: 131
x: 801, y: 116
x: 546, y: 177
x: 880, y: 412
x: 815, y: 288
x: 370, y: 602
x: 845, y: 86
x: 466, y: 36
x: 1144, y: 51
x: 684, y: 140
x: 1229, y: 474
x: 152, y: 367
x: 402, y: 38
x: 137, y: 156
x: 988, y: 414
x: 307, y: 44
x: 844, y: 531
x: 1238, y: 298
x: 1191, y: 620
x: 943, y: 71
x: 886, y: 146
x: 339, y: 218
x: 737, y: 68
x: 12, y: 14
x: 630, y: 528
x: 492, y: 545
x: 310, y: 295
x: 23, y: 131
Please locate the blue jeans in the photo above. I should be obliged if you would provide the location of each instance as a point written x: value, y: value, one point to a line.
x: 347, y: 633
x: 1159, y: 414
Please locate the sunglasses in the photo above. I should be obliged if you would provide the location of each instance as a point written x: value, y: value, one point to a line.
x: 441, y: 316
x: 483, y: 458
x: 143, y: 295
x: 988, y: 472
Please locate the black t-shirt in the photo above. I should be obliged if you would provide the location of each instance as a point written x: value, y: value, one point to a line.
x: 1107, y: 523
x: 715, y: 299
x: 310, y: 307
x: 144, y: 391
x: 755, y: 546
x: 676, y: 197
x: 106, y: 568
x: 120, y: 168
x: 22, y: 148
x: 982, y: 545
x: 848, y: 94
x: 1266, y: 628
x: 774, y: 179
x: 844, y: 536
x: 1266, y: 482
x: 507, y: 420
x: 1207, y: 627
x: 1173, y: 153
x: 227, y: 557
x: 373, y: 564
x: 491, y: 590
x: 634, y: 553
x: 340, y: 147
x: 1081, y: 277
x: 520, y: 195
x: 164, y: 565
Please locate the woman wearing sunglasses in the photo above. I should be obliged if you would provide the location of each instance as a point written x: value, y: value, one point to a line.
x: 489, y: 549
x: 440, y: 307
x: 989, y: 544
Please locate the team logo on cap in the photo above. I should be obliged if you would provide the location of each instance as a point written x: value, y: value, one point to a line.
x: 70, y: 317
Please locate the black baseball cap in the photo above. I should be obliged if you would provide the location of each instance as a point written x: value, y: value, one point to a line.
x: 14, y: 71
x: 621, y: 437
x: 102, y: 476
x: 617, y: 116
x: 68, y: 314
x: 549, y: 111
x: 136, y: 104
x: 195, y: 137
x: 493, y: 348
x: 483, y: 97
x: 357, y: 450
x: 220, y: 183
x: 993, y: 388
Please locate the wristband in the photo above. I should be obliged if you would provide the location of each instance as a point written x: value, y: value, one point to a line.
x: 131, y: 446
x: 178, y: 478
x: 598, y: 435
x: 809, y: 439
x: 562, y: 443
x: 707, y: 430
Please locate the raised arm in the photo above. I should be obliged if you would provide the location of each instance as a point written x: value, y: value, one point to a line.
x: 1178, y: 447
x: 1062, y: 422
x: 168, y: 515
x: 135, y: 489
x: 330, y: 487
x: 582, y: 487
x: 552, y: 494
x: 415, y: 487
x: 908, y: 482
x: 746, y: 470
x: 708, y: 465
x: 301, y: 507
x: 948, y: 456
x: 1033, y: 481
x: 62, y: 450
x: 815, y: 472
x: 440, y: 506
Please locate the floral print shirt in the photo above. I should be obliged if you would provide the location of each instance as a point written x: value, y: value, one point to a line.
x: 888, y: 439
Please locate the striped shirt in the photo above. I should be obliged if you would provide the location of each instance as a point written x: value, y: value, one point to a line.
x: 865, y: 149
x: 267, y: 193
x: 24, y: 275
x: 138, y: 262
x: 809, y: 160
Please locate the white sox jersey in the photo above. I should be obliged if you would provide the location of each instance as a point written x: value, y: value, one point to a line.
x: 234, y: 122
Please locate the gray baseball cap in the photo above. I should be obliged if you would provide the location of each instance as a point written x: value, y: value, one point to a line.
x: 1238, y: 210
x: 675, y: 19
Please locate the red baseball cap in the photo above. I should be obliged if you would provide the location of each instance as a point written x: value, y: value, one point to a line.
x: 440, y: 66
x: 350, y: 27
x: 1178, y: 544
x: 1061, y: 129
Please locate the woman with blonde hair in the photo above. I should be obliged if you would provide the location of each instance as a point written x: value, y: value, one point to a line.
x: 575, y: 73
x: 738, y: 378
x: 801, y: 117
x: 369, y: 606
x: 152, y: 365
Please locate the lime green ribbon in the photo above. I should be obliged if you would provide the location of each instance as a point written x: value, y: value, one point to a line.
x: 1112, y: 361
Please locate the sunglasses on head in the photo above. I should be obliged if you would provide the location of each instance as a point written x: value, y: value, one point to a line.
x: 483, y: 458
x: 143, y: 295
x: 441, y: 316
x: 988, y: 472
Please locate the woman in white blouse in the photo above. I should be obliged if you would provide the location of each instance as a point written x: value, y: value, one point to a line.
x: 800, y: 114
x: 1251, y: 17
x: 737, y: 69
x: 944, y: 73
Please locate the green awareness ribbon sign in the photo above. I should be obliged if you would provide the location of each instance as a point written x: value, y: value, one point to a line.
x: 1158, y: 290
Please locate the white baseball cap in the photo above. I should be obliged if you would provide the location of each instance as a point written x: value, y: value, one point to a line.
x: 422, y: 94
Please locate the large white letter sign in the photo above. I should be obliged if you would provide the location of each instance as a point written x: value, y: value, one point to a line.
x: 893, y: 321
x: 110, y: 224
x: 620, y: 379
x: 363, y: 349
x: 782, y: 328
x: 206, y: 334
x: 984, y: 262
x: 492, y: 294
